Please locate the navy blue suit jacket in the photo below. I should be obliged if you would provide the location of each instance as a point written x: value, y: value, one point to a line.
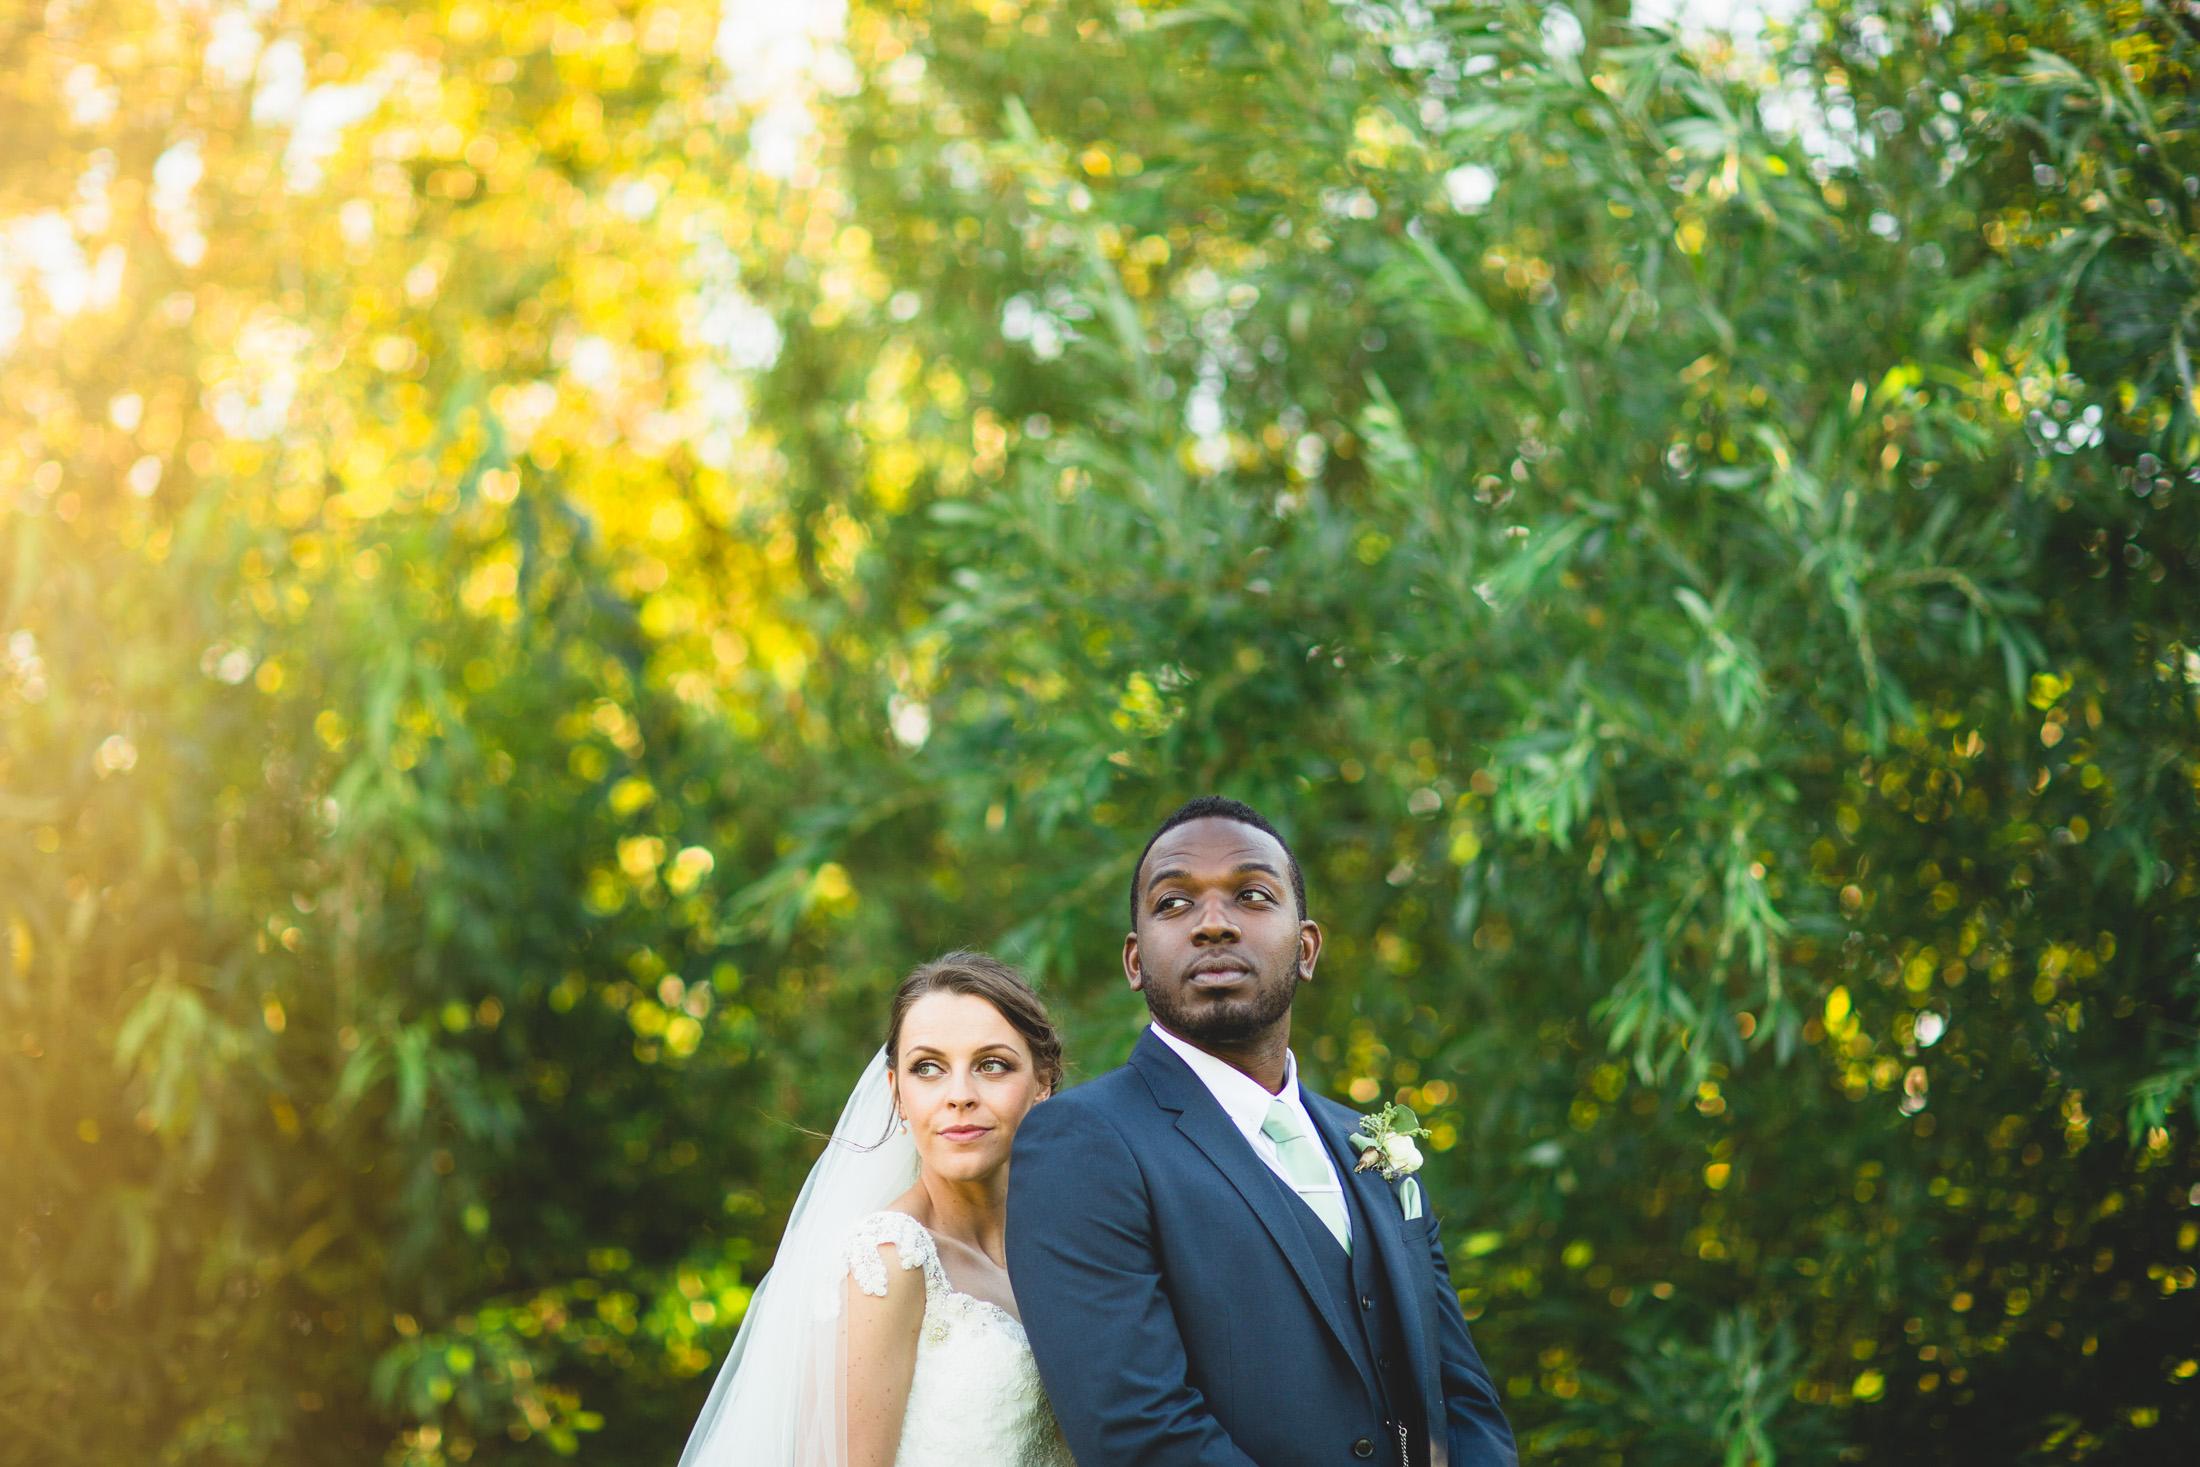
x: 1173, y: 1301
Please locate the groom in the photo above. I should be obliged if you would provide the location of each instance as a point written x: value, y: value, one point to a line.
x: 1205, y: 1277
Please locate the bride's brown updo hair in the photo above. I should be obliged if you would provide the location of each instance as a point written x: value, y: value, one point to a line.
x: 982, y: 975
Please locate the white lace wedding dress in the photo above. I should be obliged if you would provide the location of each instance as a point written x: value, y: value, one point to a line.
x: 976, y: 1400
x: 780, y: 1399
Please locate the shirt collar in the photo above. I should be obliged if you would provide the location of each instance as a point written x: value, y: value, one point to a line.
x: 1241, y: 1096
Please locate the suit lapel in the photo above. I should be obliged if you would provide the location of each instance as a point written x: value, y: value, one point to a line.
x: 1200, y: 1117
x: 1386, y: 1220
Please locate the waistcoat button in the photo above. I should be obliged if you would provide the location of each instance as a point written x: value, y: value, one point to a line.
x: 1366, y: 1302
x: 1363, y: 1448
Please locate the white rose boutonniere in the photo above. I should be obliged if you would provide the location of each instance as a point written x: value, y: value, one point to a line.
x: 1385, y: 1142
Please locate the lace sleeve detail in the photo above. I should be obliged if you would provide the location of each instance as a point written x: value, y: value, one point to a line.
x: 912, y: 1244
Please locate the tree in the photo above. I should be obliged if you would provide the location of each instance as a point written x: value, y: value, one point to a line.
x: 1692, y: 542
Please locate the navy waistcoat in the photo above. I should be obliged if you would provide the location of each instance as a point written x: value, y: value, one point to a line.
x: 1361, y: 1289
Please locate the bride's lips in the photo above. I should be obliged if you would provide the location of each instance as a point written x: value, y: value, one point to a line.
x: 965, y: 1133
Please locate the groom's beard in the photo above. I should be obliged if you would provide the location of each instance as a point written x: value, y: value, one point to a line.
x: 1212, y: 1023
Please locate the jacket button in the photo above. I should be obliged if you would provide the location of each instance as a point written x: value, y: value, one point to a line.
x: 1363, y: 1448
x: 1366, y: 1302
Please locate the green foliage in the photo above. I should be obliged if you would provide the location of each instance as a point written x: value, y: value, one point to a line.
x: 1694, y: 544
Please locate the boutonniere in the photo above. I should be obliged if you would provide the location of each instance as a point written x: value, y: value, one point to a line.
x: 1385, y: 1143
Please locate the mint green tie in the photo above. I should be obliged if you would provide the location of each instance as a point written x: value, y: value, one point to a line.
x: 1305, y: 1169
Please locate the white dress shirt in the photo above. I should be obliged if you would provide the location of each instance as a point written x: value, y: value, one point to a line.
x: 1246, y: 1103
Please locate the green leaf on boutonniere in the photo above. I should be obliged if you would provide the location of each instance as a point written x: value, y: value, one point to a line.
x: 1376, y: 1133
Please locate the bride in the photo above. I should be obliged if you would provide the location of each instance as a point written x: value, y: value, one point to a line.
x: 886, y: 1334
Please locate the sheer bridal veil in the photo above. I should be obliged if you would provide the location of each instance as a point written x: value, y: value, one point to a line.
x: 778, y: 1400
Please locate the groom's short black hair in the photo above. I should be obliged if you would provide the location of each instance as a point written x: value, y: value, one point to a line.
x: 1219, y: 807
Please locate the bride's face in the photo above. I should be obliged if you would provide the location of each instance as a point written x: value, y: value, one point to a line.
x: 964, y: 1079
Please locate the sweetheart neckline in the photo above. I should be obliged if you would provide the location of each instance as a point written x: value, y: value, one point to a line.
x: 972, y: 1301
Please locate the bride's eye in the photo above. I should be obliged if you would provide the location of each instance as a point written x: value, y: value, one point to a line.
x: 925, y: 1069
x: 995, y: 1066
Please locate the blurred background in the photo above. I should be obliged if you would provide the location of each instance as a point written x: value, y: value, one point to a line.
x: 550, y: 550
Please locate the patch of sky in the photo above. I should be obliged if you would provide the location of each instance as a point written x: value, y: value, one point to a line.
x: 176, y: 175
x: 1789, y: 104
x: 11, y: 314
x: 777, y: 54
x: 44, y: 248
x: 741, y: 338
x: 636, y: 198
x: 724, y: 318
x: 254, y: 401
x: 1694, y: 20
x: 317, y: 117
x: 1470, y: 187
x: 233, y: 43
x: 1024, y: 319
x: 1562, y: 35
x: 91, y: 97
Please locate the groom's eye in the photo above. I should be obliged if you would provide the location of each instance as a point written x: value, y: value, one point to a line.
x: 1255, y: 894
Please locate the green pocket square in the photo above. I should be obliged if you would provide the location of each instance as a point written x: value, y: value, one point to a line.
x: 1409, y: 1197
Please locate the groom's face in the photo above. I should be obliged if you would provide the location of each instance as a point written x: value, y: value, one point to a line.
x: 1219, y: 948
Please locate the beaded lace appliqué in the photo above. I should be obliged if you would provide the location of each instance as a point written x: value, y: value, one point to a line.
x: 913, y: 1245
